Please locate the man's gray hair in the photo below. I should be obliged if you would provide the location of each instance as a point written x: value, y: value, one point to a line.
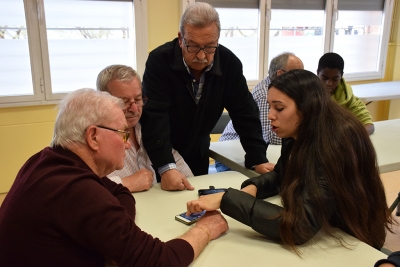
x: 278, y: 63
x: 115, y: 72
x: 80, y: 109
x: 200, y: 15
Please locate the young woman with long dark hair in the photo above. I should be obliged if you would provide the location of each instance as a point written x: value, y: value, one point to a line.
x: 327, y: 175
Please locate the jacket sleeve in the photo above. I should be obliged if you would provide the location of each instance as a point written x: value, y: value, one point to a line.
x: 156, y: 113
x: 95, y: 217
x: 123, y: 195
x: 265, y: 217
x: 245, y: 116
x: 357, y: 107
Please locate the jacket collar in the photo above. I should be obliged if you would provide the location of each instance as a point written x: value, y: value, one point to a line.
x: 178, y: 64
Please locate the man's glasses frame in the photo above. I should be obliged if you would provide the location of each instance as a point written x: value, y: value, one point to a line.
x: 139, y: 103
x: 125, y: 136
x: 196, y: 49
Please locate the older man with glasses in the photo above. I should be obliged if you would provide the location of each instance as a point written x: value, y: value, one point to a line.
x: 189, y: 82
x: 138, y: 174
x: 62, y: 210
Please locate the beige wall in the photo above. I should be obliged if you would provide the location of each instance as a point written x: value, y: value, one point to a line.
x: 163, y: 21
x: 23, y: 132
x: 26, y: 130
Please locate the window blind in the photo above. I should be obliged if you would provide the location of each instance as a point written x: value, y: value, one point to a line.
x: 361, y: 4
x: 233, y: 3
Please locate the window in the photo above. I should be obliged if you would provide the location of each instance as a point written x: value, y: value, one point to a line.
x: 358, y: 37
x: 53, y: 47
x: 299, y: 28
x: 258, y: 30
x: 15, y: 72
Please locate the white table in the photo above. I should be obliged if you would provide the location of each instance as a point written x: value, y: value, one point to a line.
x: 242, y: 246
x: 377, y: 91
x: 231, y: 154
x: 386, y: 140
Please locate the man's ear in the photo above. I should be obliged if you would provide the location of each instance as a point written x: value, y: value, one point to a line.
x: 279, y: 72
x: 91, y: 136
x: 180, y: 39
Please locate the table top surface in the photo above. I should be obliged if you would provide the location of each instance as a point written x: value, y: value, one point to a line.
x: 377, y: 91
x: 386, y: 140
x: 242, y: 246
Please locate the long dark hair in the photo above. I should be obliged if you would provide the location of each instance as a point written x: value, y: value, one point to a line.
x: 331, y: 142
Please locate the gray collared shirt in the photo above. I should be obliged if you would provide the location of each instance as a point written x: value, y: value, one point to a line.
x: 197, y: 86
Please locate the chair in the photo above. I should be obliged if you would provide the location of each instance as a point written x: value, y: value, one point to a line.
x: 396, y: 205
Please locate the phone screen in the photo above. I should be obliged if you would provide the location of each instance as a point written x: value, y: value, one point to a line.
x: 192, y: 218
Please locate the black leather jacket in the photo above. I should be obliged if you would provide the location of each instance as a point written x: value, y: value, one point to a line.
x: 264, y: 217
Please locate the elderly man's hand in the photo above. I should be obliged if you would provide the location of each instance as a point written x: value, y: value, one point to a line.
x: 264, y: 168
x: 214, y: 222
x: 141, y: 180
x: 174, y: 180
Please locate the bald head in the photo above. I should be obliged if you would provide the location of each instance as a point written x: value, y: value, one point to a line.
x: 283, y: 63
x: 294, y: 63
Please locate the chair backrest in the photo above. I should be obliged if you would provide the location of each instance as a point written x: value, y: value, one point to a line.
x: 221, y: 124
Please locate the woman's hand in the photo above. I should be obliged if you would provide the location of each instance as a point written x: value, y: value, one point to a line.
x: 208, y: 202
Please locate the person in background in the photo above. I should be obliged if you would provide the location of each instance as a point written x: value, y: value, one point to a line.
x: 189, y: 82
x: 393, y: 260
x: 327, y: 167
x: 62, y: 210
x: 279, y: 64
x: 138, y: 174
x: 330, y: 71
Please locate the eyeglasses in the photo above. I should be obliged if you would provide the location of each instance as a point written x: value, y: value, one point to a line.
x: 196, y: 49
x: 138, y: 102
x: 125, y: 136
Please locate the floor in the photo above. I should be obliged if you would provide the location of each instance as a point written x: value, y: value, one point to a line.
x: 391, y: 182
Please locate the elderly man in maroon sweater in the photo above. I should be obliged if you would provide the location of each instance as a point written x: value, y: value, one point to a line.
x: 63, y: 211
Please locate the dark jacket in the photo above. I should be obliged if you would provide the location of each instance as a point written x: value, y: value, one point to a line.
x: 172, y: 119
x: 264, y: 217
x: 393, y: 258
x: 60, y: 213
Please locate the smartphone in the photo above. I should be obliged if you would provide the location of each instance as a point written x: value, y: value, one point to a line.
x: 203, y: 192
x: 188, y: 220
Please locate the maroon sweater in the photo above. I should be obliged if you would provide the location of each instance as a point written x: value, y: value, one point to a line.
x: 59, y: 213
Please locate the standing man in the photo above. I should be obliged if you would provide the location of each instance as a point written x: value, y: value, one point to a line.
x: 189, y: 82
x: 279, y: 65
x: 138, y: 174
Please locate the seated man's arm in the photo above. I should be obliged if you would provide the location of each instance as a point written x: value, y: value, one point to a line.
x: 359, y: 109
x: 135, y: 180
x: 97, y: 217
